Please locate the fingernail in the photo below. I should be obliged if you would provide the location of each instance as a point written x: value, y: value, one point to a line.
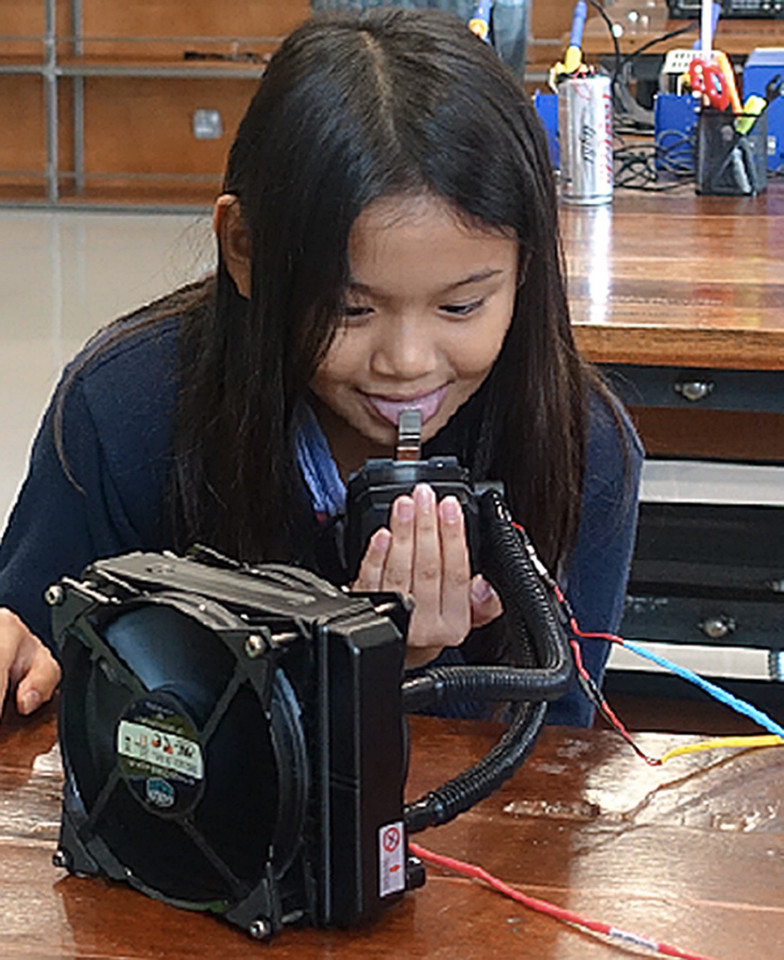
x: 424, y: 497
x: 481, y: 590
x: 450, y: 509
x: 405, y: 509
x: 31, y: 701
x: 381, y: 539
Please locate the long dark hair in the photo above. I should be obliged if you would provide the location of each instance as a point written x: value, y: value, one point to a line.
x: 352, y: 108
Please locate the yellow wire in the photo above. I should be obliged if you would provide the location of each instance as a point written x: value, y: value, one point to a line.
x: 769, y: 740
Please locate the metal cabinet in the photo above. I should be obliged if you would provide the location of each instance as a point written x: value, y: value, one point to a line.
x: 708, y: 573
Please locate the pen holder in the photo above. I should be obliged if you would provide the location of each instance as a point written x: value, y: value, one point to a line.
x: 732, y: 153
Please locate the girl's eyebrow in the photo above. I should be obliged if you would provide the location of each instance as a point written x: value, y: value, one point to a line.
x: 477, y: 277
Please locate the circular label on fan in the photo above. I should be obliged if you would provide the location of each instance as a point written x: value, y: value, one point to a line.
x: 160, y: 756
x: 160, y: 792
x: 157, y: 748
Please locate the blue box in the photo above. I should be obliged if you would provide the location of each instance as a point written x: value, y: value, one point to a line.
x: 546, y: 105
x: 674, y: 131
x: 761, y: 66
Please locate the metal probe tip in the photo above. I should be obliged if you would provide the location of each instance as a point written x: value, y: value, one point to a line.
x: 409, y: 435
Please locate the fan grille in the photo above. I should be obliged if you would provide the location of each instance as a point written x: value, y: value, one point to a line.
x: 204, y: 837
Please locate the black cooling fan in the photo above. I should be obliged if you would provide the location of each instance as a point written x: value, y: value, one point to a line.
x: 233, y: 737
x: 232, y: 740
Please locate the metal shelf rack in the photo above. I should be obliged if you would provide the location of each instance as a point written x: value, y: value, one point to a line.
x: 53, y: 67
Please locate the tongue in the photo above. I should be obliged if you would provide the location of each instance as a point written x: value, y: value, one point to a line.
x: 391, y: 409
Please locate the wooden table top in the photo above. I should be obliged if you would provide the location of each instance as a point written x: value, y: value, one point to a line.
x: 679, y: 279
x: 691, y: 853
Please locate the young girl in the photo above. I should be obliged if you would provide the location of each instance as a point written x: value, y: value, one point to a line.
x: 387, y: 239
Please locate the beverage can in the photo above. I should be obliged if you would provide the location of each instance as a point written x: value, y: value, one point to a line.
x: 585, y: 139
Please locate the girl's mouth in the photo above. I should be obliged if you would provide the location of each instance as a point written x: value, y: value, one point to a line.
x: 389, y: 409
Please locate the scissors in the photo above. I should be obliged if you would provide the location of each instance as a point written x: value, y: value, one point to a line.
x: 715, y: 79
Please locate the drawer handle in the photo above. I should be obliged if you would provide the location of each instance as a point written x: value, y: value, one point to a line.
x: 717, y: 628
x: 694, y: 390
x: 776, y: 665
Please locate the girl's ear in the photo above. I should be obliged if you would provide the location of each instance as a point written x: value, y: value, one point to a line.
x: 233, y: 240
x: 523, y: 262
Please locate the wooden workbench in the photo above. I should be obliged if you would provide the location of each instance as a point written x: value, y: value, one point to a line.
x: 691, y: 853
x: 675, y: 286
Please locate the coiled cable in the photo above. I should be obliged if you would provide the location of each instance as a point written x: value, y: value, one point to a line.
x: 540, y: 670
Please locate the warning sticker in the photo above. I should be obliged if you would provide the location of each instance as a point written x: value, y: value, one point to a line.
x: 165, y: 750
x: 391, y: 859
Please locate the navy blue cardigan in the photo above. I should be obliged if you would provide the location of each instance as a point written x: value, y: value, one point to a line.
x: 117, y: 431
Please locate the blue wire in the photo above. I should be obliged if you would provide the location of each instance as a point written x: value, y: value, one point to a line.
x: 724, y: 696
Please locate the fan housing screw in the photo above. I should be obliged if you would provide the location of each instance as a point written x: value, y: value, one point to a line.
x: 260, y: 929
x: 61, y: 860
x: 255, y: 645
x: 54, y: 595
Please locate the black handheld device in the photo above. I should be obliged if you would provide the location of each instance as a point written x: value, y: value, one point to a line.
x: 373, y: 489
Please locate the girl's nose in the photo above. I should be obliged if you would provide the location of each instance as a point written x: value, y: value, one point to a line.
x: 404, y: 350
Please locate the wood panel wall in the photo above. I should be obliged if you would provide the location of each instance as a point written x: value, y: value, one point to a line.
x: 25, y: 18
x: 550, y: 20
x: 23, y: 153
x: 185, y: 18
x: 22, y: 111
x: 144, y: 126
x: 149, y: 129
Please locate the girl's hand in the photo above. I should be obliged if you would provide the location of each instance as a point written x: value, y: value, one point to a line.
x: 424, y: 553
x: 25, y: 663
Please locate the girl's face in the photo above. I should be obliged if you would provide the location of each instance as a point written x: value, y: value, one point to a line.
x: 429, y: 303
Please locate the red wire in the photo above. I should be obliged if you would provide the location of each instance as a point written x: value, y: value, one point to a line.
x: 605, y: 707
x: 542, y: 906
x: 611, y: 637
x: 478, y: 873
x: 550, y: 909
x: 591, y: 689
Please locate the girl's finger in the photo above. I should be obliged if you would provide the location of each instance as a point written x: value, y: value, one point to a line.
x: 400, y: 556
x: 371, y: 570
x: 40, y: 682
x: 485, y: 603
x: 427, y: 573
x: 456, y: 571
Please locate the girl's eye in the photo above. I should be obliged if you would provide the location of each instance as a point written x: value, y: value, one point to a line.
x: 356, y: 311
x: 462, y: 309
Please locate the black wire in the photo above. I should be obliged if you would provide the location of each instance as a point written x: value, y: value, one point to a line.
x: 629, y: 59
x: 637, y: 169
x: 621, y: 61
x: 652, y: 43
x: 616, y: 46
x: 640, y: 166
x: 677, y: 141
x: 603, y: 14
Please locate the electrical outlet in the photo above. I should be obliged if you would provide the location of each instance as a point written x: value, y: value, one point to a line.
x: 207, y: 124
